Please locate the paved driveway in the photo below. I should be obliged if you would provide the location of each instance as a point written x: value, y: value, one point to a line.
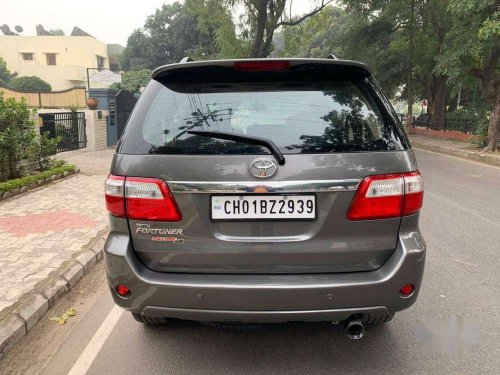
x: 47, y: 226
x: 90, y: 163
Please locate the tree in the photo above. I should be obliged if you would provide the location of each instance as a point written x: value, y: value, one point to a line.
x: 5, y: 75
x: 353, y: 36
x: 419, y: 28
x: 166, y: 37
x: 138, y: 53
x: 215, y: 21
x: 471, y: 55
x: 177, y: 30
x: 30, y: 84
x: 262, y: 19
x: 133, y: 80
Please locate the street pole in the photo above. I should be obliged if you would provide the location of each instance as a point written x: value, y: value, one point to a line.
x: 88, y: 83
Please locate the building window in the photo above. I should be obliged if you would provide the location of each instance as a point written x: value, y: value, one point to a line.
x: 27, y: 56
x: 51, y: 58
x: 100, y: 62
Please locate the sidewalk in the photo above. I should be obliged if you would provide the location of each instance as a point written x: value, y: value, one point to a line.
x: 49, y: 237
x: 463, y: 150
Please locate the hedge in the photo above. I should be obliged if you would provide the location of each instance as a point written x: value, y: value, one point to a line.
x: 18, y: 183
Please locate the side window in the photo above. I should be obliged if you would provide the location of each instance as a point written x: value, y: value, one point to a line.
x: 27, y: 56
x: 100, y: 62
x: 51, y: 58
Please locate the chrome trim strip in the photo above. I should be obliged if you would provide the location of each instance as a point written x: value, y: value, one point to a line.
x: 270, y: 186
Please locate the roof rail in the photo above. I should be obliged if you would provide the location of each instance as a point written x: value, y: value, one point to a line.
x: 332, y: 56
x: 186, y: 59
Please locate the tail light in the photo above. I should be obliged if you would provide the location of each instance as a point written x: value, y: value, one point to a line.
x: 387, y: 196
x: 140, y: 198
x: 414, y: 193
x: 262, y: 66
x: 115, y: 195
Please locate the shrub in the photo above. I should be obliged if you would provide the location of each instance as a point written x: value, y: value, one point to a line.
x: 462, y: 120
x: 467, y: 120
x: 28, y: 180
x: 46, y: 147
x: 17, y: 133
x: 30, y: 84
x: 19, y: 140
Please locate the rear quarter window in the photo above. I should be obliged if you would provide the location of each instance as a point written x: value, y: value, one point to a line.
x: 319, y: 117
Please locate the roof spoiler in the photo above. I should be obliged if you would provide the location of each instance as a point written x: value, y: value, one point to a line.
x: 189, y: 63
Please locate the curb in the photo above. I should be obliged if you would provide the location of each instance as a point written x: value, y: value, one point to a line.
x: 463, y: 154
x: 27, y: 188
x: 18, y: 320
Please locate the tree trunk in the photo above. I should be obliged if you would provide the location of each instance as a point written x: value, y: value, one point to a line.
x: 266, y: 47
x: 409, y: 89
x: 409, y: 84
x: 428, y: 95
x: 439, y: 92
x: 490, y: 92
x: 260, y: 28
x: 494, y: 126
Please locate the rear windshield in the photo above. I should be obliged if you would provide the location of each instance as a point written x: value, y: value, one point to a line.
x: 324, y: 117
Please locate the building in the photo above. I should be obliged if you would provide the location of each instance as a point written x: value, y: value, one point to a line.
x: 114, y: 52
x: 62, y: 61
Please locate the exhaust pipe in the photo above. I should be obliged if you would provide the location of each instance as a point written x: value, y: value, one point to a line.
x: 354, y: 327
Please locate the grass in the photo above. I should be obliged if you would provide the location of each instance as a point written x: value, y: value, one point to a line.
x: 18, y: 183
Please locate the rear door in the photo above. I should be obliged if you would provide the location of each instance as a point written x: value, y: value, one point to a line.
x: 241, y: 211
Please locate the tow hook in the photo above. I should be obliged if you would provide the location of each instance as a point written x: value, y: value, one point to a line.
x: 354, y: 327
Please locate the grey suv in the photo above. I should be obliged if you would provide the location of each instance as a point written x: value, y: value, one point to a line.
x: 264, y: 191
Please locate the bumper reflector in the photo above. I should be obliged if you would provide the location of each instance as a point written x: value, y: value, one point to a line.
x: 407, y: 290
x: 122, y: 290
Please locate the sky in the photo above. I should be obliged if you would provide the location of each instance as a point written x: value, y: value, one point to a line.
x: 110, y: 21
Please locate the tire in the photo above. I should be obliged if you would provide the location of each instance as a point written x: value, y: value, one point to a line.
x: 149, y: 320
x: 380, y: 320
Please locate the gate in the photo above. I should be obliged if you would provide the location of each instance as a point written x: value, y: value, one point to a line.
x: 124, y: 105
x: 68, y: 127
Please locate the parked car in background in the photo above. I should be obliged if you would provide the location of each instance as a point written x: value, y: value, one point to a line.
x: 264, y: 191
x: 422, y: 120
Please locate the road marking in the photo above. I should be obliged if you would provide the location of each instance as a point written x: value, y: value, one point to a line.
x: 89, y: 354
x: 474, y: 175
x: 462, y: 262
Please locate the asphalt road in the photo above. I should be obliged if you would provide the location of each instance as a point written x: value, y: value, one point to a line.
x: 461, y: 224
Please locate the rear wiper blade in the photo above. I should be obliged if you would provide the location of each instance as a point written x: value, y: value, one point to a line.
x: 267, y: 143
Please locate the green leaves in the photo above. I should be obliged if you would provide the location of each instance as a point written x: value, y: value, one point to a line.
x: 28, y: 180
x: 198, y: 28
x: 18, y: 138
x: 30, y: 84
x: 133, y: 80
x: 63, y: 317
x: 5, y: 75
x: 490, y: 28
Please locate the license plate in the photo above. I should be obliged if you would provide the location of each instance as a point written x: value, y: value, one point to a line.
x: 263, y: 207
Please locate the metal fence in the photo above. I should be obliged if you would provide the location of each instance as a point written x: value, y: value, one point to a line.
x: 68, y: 127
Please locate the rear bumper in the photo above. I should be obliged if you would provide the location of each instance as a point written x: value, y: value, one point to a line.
x: 267, y: 298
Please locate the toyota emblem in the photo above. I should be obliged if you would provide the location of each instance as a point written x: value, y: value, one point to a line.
x: 263, y: 168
